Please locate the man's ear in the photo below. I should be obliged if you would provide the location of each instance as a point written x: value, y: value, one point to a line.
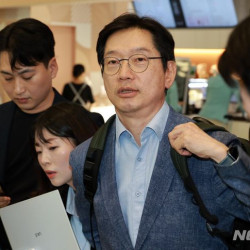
x: 53, y: 67
x: 170, y: 74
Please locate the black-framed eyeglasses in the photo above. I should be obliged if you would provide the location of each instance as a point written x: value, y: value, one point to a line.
x: 137, y: 63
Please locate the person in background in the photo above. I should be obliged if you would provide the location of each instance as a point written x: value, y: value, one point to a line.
x: 57, y: 132
x: 202, y: 70
x: 78, y: 91
x: 141, y: 201
x: 172, y: 97
x: 234, y: 64
x: 27, y: 68
x: 218, y: 98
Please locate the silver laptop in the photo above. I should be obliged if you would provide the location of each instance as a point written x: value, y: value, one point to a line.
x: 40, y: 223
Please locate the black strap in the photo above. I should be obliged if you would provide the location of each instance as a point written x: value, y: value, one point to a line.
x: 245, y: 145
x: 180, y: 162
x: 93, y: 159
x: 207, y: 125
x: 91, y: 167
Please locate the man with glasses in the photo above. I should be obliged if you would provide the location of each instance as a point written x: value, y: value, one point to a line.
x: 141, y: 202
x: 137, y: 63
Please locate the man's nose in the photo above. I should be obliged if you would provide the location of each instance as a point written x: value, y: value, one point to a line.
x: 124, y: 69
x: 19, y: 87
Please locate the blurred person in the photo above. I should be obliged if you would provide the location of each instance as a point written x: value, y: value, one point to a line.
x: 172, y: 97
x: 234, y: 64
x: 202, y: 70
x: 78, y: 91
x: 218, y: 99
x: 140, y: 201
x: 57, y: 132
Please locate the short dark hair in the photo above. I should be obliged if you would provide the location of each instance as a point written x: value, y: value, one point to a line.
x: 66, y: 120
x: 28, y: 42
x: 78, y: 69
x: 235, y: 58
x: 162, y: 39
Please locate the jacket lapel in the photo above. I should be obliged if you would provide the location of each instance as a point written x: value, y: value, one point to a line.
x: 110, y: 192
x: 160, y: 183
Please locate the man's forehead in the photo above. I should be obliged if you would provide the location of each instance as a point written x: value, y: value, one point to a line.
x: 4, y: 56
x: 135, y: 50
x: 5, y: 64
x: 131, y: 40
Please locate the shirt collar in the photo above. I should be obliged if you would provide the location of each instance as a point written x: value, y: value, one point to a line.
x: 157, y: 124
x: 70, y: 206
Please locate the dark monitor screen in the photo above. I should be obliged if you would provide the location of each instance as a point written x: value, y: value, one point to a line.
x: 189, y: 13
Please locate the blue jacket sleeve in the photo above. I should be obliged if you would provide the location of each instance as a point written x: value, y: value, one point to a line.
x: 237, y: 176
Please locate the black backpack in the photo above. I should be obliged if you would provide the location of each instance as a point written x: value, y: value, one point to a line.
x: 93, y: 161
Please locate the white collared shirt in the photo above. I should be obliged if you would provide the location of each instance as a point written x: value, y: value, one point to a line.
x: 75, y: 222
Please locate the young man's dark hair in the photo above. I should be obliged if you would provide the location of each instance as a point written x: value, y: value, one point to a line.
x: 28, y: 42
x: 162, y: 38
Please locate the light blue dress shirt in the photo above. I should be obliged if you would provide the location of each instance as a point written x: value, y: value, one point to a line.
x: 134, y: 167
x: 75, y: 222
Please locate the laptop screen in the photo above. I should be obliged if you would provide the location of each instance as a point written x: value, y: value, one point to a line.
x: 39, y: 223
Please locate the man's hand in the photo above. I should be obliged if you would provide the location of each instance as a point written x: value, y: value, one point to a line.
x: 188, y: 139
x: 4, y: 201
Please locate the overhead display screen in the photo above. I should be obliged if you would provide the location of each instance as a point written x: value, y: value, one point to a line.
x: 189, y: 13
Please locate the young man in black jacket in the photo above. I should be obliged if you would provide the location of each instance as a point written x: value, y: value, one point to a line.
x: 27, y: 68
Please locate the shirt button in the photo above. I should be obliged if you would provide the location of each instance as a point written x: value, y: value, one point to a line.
x: 138, y: 194
x: 139, y: 158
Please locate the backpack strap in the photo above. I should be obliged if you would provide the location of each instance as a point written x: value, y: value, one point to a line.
x: 245, y: 145
x: 77, y: 96
x: 93, y: 159
x: 92, y: 165
x: 207, y: 125
x: 180, y: 162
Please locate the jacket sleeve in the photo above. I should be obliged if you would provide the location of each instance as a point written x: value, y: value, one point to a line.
x: 77, y: 159
x: 237, y: 176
